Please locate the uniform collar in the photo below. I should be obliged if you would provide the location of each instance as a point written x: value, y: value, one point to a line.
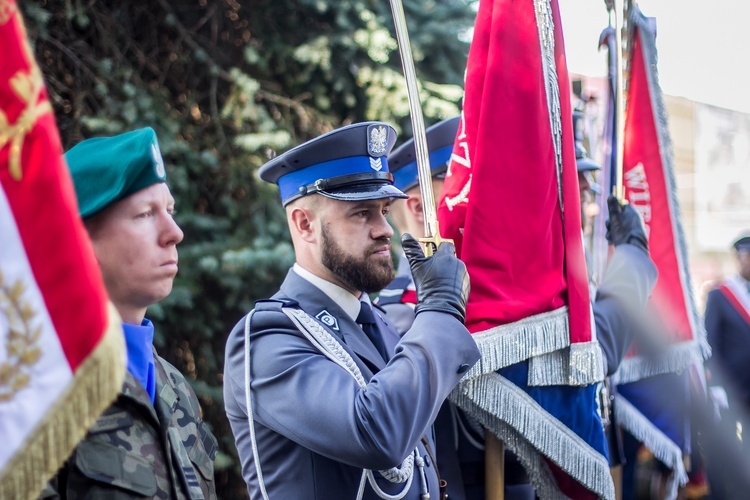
x: 348, y: 302
x: 340, y: 322
x: 139, y: 342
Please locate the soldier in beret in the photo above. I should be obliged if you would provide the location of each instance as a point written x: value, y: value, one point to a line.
x: 151, y: 442
x: 324, y: 398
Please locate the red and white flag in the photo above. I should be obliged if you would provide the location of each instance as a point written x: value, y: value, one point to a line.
x: 650, y: 187
x: 511, y: 203
x: 673, y: 323
x: 62, y: 353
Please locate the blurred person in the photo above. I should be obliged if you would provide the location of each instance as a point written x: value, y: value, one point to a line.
x: 151, y: 442
x: 727, y: 319
x: 587, y: 186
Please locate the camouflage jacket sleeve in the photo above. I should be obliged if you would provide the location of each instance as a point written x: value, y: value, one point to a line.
x: 136, y: 449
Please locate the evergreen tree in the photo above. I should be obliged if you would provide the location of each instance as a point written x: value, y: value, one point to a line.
x: 227, y: 83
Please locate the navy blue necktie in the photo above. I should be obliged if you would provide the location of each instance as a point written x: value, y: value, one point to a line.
x: 366, y: 318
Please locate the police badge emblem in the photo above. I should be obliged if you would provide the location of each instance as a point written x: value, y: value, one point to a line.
x: 328, y: 319
x: 378, y: 140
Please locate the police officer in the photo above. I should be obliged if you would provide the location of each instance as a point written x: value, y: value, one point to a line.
x: 725, y: 429
x: 151, y: 442
x: 399, y: 297
x: 728, y: 327
x: 324, y: 398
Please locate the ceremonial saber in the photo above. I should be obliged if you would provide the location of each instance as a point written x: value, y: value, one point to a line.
x: 494, y: 447
x: 432, y: 239
x: 619, y: 12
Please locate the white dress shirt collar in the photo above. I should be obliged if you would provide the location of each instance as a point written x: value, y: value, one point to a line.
x: 348, y: 302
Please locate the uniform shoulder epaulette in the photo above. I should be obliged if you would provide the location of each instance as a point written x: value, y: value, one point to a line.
x: 275, y: 304
x: 392, y: 293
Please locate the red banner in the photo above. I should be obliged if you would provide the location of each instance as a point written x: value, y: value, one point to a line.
x: 511, y: 203
x: 649, y: 183
x: 62, y: 353
x: 502, y: 200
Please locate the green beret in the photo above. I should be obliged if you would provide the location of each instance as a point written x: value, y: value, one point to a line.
x: 108, y: 169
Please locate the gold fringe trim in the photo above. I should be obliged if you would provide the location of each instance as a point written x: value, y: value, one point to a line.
x: 94, y: 386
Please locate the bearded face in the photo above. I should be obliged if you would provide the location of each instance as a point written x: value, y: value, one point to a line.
x: 368, y: 271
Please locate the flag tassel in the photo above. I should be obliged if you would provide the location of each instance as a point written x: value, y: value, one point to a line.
x: 57, y: 435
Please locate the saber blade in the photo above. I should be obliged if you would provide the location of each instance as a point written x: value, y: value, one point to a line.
x: 619, y: 14
x: 432, y: 237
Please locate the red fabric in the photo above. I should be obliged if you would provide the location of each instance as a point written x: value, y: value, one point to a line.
x: 409, y: 297
x: 727, y: 292
x: 523, y: 256
x: 647, y: 189
x: 44, y: 207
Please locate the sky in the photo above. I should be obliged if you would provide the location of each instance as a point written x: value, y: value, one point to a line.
x: 703, y: 46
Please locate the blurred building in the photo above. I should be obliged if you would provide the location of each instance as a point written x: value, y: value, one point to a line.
x: 711, y: 148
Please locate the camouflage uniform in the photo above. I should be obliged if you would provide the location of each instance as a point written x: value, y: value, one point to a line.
x: 140, y: 450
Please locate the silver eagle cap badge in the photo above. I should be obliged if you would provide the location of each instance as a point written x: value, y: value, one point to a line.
x: 378, y: 140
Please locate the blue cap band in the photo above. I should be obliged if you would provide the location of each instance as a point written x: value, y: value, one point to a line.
x: 289, y: 184
x: 407, y: 177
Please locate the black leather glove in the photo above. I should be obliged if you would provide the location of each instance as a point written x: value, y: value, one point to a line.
x: 625, y: 225
x: 441, y: 280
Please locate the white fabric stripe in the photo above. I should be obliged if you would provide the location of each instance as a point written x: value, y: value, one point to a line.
x: 50, y: 374
x: 738, y: 287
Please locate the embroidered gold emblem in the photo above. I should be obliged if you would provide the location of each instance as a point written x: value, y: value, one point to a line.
x: 27, y: 86
x: 21, y: 338
x: 7, y: 9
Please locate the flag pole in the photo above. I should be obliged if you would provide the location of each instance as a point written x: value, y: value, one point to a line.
x: 432, y: 238
x: 494, y: 467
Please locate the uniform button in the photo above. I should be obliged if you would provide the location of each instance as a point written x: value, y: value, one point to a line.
x: 427, y: 461
x: 462, y: 368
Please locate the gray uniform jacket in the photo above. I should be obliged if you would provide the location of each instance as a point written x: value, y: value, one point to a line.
x: 141, y: 450
x: 314, y: 428
x: 620, y: 301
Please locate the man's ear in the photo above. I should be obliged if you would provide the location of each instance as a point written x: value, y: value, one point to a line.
x: 301, y: 223
x: 414, y: 206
